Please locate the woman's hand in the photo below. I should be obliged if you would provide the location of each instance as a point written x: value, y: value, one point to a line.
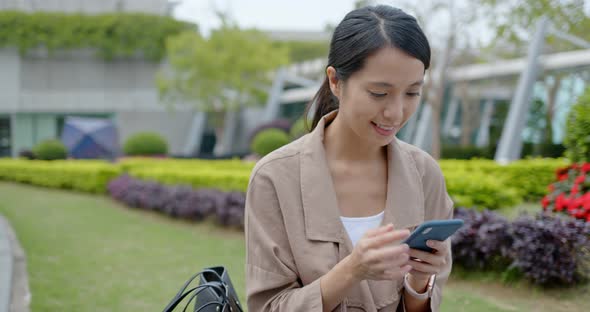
x: 424, y: 264
x: 376, y: 257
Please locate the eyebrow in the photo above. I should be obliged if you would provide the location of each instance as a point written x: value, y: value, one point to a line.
x: 389, y: 85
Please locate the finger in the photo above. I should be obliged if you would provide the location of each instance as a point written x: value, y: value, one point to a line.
x: 386, y: 238
x: 427, y: 257
x: 393, y: 254
x: 438, y: 246
x: 423, y: 267
x: 390, y: 263
x: 378, y: 231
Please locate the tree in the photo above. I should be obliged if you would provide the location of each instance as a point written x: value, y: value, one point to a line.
x: 445, y: 51
x: 513, y: 22
x: 222, y: 73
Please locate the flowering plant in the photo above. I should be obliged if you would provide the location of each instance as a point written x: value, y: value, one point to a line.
x: 570, y: 194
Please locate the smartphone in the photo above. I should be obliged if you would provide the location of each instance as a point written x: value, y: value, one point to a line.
x: 438, y: 230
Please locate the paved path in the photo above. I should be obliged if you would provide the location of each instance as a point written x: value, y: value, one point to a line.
x: 14, y: 285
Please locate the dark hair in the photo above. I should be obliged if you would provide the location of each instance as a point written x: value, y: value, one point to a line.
x: 361, y: 33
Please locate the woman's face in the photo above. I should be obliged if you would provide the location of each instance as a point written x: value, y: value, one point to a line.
x: 378, y: 100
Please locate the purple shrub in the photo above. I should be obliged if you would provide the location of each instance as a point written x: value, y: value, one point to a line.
x: 483, y: 242
x: 550, y: 250
x: 180, y: 201
x: 231, y: 212
x: 547, y: 250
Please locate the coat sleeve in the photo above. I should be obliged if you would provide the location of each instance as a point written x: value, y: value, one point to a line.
x: 272, y: 281
x: 438, y: 206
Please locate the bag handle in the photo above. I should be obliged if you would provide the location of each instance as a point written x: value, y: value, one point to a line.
x: 179, y: 296
x: 172, y: 305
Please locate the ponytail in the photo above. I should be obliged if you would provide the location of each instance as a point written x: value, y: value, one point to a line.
x: 324, y: 101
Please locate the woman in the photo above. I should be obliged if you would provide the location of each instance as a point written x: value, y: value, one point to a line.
x: 325, y: 215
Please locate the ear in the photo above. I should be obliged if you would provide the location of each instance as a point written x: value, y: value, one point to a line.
x: 335, y: 85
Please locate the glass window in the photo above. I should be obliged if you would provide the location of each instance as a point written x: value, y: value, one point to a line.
x: 5, y: 140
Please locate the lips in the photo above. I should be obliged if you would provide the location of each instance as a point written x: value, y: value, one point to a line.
x: 383, y: 130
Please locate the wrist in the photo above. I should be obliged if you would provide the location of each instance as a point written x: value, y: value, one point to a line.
x: 351, y: 271
x: 418, y: 284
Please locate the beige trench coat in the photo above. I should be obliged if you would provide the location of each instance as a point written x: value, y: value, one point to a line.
x: 294, y: 234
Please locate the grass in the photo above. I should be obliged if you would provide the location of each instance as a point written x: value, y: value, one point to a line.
x: 88, y: 253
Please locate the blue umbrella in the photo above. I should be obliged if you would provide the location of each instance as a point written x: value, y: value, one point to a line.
x: 90, y: 138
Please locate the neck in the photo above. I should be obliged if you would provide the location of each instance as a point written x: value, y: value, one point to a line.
x: 342, y: 144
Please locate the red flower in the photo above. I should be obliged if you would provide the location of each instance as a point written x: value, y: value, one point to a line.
x: 580, y: 179
x: 575, y: 189
x: 586, y: 201
x: 577, y: 202
x: 560, y: 203
x: 561, y: 171
x: 575, y: 166
x: 586, y: 167
x: 563, y: 177
x: 545, y: 201
x: 588, y: 217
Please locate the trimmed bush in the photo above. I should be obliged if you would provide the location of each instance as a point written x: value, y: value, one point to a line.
x: 299, y: 129
x: 81, y: 175
x: 226, y: 180
x: 477, y: 189
x: 528, y: 178
x: 269, y: 140
x: 145, y: 144
x: 180, y: 201
x: 551, y: 251
x: 547, y: 250
x: 483, y: 242
x: 577, y: 138
x: 50, y: 150
x: 281, y: 124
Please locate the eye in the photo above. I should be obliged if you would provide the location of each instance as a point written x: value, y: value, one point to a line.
x: 377, y: 94
x: 413, y: 93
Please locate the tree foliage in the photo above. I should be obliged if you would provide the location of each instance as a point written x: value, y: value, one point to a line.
x: 112, y: 35
x: 230, y: 68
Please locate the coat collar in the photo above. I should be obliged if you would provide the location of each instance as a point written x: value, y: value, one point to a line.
x: 405, y: 200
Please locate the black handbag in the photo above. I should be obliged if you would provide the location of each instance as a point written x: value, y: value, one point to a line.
x: 215, y: 293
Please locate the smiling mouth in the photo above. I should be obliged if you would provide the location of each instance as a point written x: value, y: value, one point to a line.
x: 383, y: 129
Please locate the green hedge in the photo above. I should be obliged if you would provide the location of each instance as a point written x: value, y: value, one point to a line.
x: 225, y: 180
x: 81, y: 175
x: 130, y: 163
x: 478, y: 189
x: 527, y: 178
x: 473, y: 183
x: 112, y: 35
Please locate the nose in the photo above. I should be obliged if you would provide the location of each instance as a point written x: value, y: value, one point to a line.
x: 394, y: 111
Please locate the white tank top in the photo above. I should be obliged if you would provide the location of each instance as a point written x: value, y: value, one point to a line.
x: 356, y: 227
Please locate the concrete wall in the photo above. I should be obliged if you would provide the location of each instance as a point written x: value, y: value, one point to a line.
x: 37, y: 88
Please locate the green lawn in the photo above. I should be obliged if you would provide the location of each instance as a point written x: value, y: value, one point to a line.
x: 88, y: 253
